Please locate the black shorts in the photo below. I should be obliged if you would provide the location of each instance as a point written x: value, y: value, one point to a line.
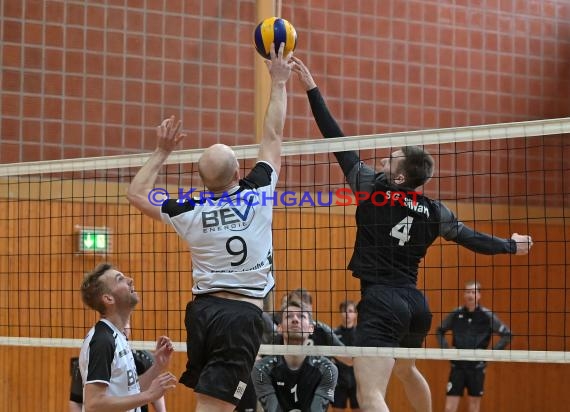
x: 470, y: 377
x: 224, y: 336
x: 392, y: 317
x: 342, y: 394
x: 248, y: 402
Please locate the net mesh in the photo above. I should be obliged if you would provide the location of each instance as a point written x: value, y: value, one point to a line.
x: 498, y: 179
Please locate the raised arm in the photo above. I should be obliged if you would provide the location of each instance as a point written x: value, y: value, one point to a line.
x: 169, y: 135
x: 353, y: 169
x: 162, y: 355
x: 274, y: 122
x: 456, y: 231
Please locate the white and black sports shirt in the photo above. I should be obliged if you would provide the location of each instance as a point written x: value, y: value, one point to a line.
x: 106, y: 357
x: 230, y: 235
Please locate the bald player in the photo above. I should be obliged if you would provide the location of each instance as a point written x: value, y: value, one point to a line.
x: 229, y: 235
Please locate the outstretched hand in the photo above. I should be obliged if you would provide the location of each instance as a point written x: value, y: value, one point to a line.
x: 161, y: 384
x: 169, y: 134
x: 163, y: 352
x: 524, y: 243
x: 303, y: 74
x: 279, y: 66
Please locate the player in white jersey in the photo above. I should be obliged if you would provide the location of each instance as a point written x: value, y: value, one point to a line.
x: 229, y: 235
x: 108, y: 371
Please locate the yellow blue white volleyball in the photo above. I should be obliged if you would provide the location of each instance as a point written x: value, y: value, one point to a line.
x: 274, y: 30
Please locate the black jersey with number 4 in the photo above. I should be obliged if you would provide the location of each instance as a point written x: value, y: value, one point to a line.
x: 280, y: 388
x: 394, y: 233
x: 393, y: 238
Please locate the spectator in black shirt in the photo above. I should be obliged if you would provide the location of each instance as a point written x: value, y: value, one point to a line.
x: 395, y: 227
x: 346, y: 385
x: 322, y: 334
x: 295, y: 382
x: 471, y: 326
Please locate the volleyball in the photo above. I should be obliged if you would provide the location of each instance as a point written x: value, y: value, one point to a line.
x: 274, y: 30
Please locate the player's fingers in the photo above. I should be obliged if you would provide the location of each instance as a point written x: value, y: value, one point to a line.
x: 180, y: 137
x: 170, y: 124
x: 164, y: 376
x: 299, y: 62
x: 168, y: 378
x: 177, y: 128
x: 272, y: 53
x: 166, y: 343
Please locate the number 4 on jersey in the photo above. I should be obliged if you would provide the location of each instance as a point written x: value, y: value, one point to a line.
x: 402, y: 229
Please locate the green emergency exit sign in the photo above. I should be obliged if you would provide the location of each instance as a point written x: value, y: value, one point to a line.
x: 95, y: 240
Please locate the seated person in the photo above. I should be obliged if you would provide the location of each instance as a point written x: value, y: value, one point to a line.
x: 322, y: 334
x: 295, y: 382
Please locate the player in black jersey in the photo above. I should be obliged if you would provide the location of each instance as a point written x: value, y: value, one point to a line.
x: 391, y: 240
x: 293, y: 382
x: 231, y: 247
x: 471, y: 326
x: 322, y: 334
x: 345, y: 390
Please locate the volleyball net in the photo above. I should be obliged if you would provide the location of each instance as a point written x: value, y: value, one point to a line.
x: 60, y: 218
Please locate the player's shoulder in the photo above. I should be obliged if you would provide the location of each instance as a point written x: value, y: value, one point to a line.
x: 324, y: 365
x: 267, y: 362
x: 322, y: 327
x: 435, y: 206
x: 486, y: 311
x: 320, y: 361
x: 101, y: 339
x: 177, y: 207
x: 261, y: 175
x: 440, y: 209
x: 103, y: 332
